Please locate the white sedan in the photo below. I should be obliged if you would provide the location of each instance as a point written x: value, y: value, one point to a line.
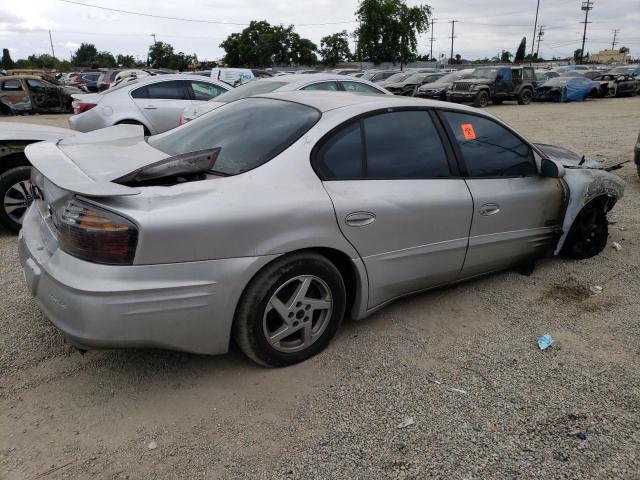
x: 155, y: 102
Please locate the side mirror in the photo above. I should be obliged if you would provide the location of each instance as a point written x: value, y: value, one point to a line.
x: 551, y: 169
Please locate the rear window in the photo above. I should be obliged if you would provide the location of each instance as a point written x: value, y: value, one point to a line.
x: 250, y: 132
x: 249, y: 89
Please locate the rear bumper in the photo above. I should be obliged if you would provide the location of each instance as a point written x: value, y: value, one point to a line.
x: 179, y: 306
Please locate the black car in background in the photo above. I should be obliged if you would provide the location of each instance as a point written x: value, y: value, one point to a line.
x: 89, y: 80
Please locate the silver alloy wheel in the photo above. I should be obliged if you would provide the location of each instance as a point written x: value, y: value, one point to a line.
x: 17, y: 199
x: 297, y: 313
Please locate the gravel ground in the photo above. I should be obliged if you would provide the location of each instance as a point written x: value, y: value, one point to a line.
x: 461, y: 362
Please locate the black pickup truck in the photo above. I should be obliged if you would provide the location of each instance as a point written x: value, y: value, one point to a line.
x: 495, y: 84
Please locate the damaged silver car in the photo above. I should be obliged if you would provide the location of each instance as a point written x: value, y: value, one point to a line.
x: 271, y: 218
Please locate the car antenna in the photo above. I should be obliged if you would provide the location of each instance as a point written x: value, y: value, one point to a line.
x: 582, y: 160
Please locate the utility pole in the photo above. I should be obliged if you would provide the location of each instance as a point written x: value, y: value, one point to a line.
x: 615, y: 35
x: 433, y: 20
x: 53, y: 54
x: 535, y: 27
x: 586, y: 7
x: 453, y: 31
x: 154, y: 38
x: 540, y: 34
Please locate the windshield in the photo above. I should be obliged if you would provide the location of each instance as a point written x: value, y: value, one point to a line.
x: 369, y: 75
x: 622, y: 70
x: 485, y: 73
x: 397, y: 77
x: 416, y: 78
x: 450, y: 77
x: 255, y: 87
x: 249, y: 132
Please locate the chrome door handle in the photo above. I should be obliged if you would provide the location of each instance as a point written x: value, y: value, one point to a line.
x: 489, y: 209
x: 150, y: 107
x: 359, y: 219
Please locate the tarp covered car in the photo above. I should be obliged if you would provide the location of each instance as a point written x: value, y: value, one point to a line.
x: 567, y: 89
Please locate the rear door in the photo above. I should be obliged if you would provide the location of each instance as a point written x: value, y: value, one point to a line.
x: 162, y: 102
x: 398, y: 200
x: 517, y: 212
x: 15, y: 95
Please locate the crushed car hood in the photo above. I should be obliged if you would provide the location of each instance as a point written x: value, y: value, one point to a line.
x: 87, y: 163
x: 566, y: 157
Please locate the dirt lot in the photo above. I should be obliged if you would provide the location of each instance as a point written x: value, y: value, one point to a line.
x: 462, y: 362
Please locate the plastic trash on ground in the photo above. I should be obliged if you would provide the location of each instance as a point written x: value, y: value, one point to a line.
x: 545, y: 341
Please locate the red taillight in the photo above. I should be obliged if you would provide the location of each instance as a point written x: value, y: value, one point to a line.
x: 104, y: 85
x: 80, y: 107
x: 94, y: 234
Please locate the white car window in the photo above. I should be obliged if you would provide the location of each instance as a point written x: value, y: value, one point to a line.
x: 205, y: 91
x: 359, y: 87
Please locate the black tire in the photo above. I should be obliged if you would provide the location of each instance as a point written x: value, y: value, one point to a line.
x: 525, y: 96
x: 10, y: 178
x: 254, y: 312
x: 589, y: 233
x: 134, y: 122
x: 482, y: 99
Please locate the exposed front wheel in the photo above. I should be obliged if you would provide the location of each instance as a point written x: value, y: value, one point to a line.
x: 16, y: 196
x: 589, y: 233
x: 524, y: 97
x: 290, y: 310
x: 481, y: 100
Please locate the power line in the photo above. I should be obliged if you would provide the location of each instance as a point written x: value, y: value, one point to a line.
x: 181, y: 19
x: 586, y: 7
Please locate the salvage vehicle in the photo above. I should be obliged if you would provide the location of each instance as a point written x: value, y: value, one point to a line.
x: 15, y: 170
x: 409, y: 85
x: 567, y: 89
x: 155, y: 102
x: 620, y: 84
x: 238, y: 76
x: 376, y: 76
x: 305, y: 82
x: 495, y: 84
x: 544, y: 75
x: 106, y: 78
x: 23, y: 94
x: 272, y: 217
x: 438, y: 90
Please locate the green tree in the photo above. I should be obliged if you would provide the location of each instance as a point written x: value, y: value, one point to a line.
x: 520, y: 53
x: 42, y: 61
x: 84, y: 55
x: 389, y: 29
x: 622, y: 50
x: 104, y: 59
x: 505, y: 56
x: 335, y: 48
x: 126, y: 61
x: 6, y: 63
x: 162, y: 55
x: 577, y: 53
x: 264, y: 45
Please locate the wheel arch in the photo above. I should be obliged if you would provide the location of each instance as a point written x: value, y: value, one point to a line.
x: 12, y: 155
x: 134, y: 121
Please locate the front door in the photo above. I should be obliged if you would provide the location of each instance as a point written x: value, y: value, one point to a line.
x: 517, y: 213
x: 396, y: 201
x: 45, y: 96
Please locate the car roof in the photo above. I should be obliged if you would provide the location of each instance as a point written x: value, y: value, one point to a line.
x: 304, y: 78
x: 142, y: 80
x: 325, y: 101
x: 24, y: 77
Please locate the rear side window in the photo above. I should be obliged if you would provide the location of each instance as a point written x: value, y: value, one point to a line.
x: 395, y: 145
x: 171, y: 90
x: 528, y: 74
x: 249, y: 132
x: 12, y: 86
x: 489, y: 149
x: 359, y: 87
x: 404, y: 145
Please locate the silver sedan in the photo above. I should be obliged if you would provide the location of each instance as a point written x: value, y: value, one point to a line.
x: 155, y: 102
x: 271, y: 218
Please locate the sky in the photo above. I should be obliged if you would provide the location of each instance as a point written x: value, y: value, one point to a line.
x: 484, y: 27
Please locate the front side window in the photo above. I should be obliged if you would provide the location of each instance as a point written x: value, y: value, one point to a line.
x: 12, y: 85
x: 489, y: 149
x: 331, y: 86
x: 205, y: 91
x: 359, y: 87
x: 516, y: 74
x: 248, y: 132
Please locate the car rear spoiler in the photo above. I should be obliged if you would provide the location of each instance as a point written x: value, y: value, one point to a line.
x: 60, y: 170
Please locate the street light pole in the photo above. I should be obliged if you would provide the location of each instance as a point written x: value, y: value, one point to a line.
x: 586, y: 7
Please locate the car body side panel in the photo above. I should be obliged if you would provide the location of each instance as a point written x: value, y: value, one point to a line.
x: 513, y: 219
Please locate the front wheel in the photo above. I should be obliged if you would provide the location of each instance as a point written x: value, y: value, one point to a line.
x: 588, y: 235
x: 16, y: 196
x: 524, y: 97
x: 481, y: 100
x: 291, y: 310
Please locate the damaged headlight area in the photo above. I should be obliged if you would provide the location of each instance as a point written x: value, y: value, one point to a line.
x: 185, y: 167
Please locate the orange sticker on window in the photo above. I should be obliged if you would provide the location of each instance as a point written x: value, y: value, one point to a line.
x: 467, y: 131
